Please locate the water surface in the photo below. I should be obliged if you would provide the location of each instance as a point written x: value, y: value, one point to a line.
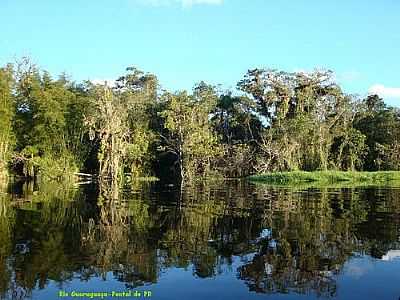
x: 231, y: 240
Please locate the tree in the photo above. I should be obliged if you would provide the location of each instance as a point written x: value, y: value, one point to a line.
x: 6, y: 117
x: 108, y: 122
x: 307, y: 116
x: 280, y: 95
x: 78, y: 142
x: 40, y: 123
x: 139, y: 92
x: 282, y: 121
x: 381, y: 126
x: 189, y: 135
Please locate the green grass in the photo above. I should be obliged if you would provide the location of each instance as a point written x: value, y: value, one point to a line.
x: 327, y: 177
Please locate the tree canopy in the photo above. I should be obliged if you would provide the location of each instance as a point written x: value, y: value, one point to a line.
x: 274, y: 121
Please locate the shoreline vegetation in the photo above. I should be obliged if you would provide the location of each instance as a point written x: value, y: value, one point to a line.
x: 327, y: 177
x: 273, y: 121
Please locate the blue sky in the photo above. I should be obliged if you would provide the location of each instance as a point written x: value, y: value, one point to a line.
x: 185, y: 41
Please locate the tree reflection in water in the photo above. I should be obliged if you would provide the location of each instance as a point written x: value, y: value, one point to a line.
x: 286, y: 240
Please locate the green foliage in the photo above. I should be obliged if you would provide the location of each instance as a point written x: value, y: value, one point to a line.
x: 310, y: 122
x: 236, y: 122
x: 381, y: 126
x: 108, y: 122
x: 7, y: 111
x: 190, y: 136
x: 139, y: 92
x: 280, y: 95
x: 40, y: 123
x: 120, y: 121
x: 281, y: 122
x: 78, y: 141
x: 40, y: 112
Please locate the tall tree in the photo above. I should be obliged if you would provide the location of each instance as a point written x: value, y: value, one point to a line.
x: 236, y: 121
x: 40, y: 123
x: 307, y: 116
x: 381, y: 126
x: 6, y: 117
x: 139, y: 92
x: 189, y: 134
x: 109, y: 123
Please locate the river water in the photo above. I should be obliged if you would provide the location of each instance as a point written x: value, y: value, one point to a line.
x: 230, y: 240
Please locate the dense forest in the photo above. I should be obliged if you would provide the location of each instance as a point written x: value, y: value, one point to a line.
x: 274, y: 121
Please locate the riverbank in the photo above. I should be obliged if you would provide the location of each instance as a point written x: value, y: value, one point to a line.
x: 326, y: 177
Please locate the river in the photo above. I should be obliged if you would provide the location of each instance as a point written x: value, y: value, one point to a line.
x: 229, y: 240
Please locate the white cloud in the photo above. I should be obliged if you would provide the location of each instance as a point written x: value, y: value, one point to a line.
x: 184, y: 3
x: 385, y: 92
